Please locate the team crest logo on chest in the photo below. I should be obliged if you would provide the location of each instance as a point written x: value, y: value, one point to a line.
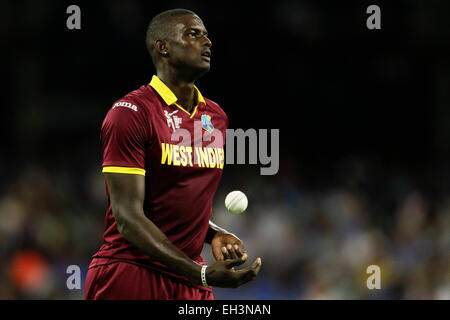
x: 206, y: 123
x: 172, y: 120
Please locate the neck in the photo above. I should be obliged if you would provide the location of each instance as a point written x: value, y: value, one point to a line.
x: 182, y: 87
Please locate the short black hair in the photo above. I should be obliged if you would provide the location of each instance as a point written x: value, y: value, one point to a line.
x: 159, y: 27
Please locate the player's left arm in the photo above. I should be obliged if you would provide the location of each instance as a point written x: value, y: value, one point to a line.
x: 224, y: 244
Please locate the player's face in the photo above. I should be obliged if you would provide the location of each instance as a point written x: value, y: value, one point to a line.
x: 189, y: 47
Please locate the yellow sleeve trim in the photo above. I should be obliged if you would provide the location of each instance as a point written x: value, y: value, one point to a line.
x: 124, y: 170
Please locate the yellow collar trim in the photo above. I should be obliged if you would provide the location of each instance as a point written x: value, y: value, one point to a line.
x: 167, y: 95
x: 191, y: 114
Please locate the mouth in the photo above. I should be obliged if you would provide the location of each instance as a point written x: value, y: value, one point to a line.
x: 206, y: 55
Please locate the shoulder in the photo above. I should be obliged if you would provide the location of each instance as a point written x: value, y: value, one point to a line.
x: 215, y: 108
x: 137, y: 104
x: 131, y: 110
x: 142, y: 98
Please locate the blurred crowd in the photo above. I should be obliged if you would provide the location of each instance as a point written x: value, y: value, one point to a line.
x: 315, y: 242
x: 46, y: 226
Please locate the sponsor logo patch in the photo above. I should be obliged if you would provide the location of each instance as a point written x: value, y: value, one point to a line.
x: 126, y: 105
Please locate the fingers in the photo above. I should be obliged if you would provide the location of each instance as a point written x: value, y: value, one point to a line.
x: 217, y: 253
x: 225, y: 253
x: 254, y: 268
x: 229, y: 252
x: 247, y: 274
x: 234, y: 263
x: 234, y: 252
x: 240, y: 252
x: 222, y: 273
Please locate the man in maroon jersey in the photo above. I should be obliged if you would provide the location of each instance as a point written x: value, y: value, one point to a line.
x: 160, y: 189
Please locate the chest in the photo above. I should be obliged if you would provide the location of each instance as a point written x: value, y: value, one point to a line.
x: 187, y: 142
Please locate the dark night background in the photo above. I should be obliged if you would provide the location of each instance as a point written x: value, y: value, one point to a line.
x: 364, y: 123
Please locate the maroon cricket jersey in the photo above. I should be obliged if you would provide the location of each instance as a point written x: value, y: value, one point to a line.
x: 182, y: 157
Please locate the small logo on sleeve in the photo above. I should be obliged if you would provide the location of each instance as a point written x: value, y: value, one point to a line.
x: 126, y: 105
x: 206, y: 123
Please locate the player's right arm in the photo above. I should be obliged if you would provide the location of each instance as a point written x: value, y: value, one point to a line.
x: 125, y: 135
x: 127, y: 193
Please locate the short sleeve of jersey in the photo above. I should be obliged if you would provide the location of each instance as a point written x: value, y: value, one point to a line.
x: 124, y: 136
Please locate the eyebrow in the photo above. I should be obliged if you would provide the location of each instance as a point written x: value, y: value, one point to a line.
x: 197, y: 30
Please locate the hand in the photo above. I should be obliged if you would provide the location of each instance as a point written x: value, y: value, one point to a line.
x: 222, y: 273
x: 227, y: 246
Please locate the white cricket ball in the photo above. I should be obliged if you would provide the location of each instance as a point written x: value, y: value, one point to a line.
x: 236, y: 202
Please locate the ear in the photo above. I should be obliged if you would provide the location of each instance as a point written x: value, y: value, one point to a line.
x: 162, y: 48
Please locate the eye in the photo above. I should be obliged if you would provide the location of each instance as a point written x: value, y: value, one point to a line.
x: 192, y: 34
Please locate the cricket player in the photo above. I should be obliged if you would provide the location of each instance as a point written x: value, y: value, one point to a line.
x: 163, y: 158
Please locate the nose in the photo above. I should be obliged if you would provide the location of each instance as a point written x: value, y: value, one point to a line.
x: 207, y: 42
